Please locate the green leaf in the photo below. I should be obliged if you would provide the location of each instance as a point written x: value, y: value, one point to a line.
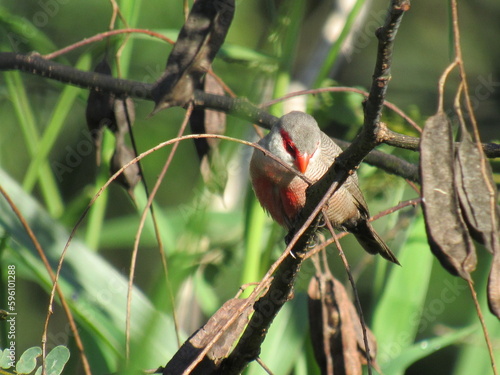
x: 255, y: 225
x: 56, y: 360
x: 28, y: 360
x: 473, y: 357
x: 131, y: 11
x: 5, y: 359
x: 98, y: 291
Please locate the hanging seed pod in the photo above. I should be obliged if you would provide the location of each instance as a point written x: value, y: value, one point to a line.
x: 124, y: 111
x: 336, y: 332
x: 482, y: 217
x: 197, y: 44
x: 131, y: 175
x: 100, y: 110
x: 447, y: 232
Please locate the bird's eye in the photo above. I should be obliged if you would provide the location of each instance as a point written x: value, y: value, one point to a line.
x: 290, y: 148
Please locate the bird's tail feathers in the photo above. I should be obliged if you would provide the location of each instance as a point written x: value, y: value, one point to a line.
x: 372, y: 242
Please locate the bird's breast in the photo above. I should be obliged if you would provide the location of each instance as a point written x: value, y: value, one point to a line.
x: 279, y: 191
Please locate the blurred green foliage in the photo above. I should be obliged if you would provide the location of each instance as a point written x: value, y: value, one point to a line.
x: 214, y: 243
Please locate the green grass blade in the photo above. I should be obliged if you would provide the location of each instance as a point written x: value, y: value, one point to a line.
x: 333, y: 54
x: 381, y: 264
x: 397, y: 314
x: 425, y: 348
x: 23, y: 36
x: 57, y: 120
x: 291, y: 21
x: 130, y: 10
x: 26, y: 120
x: 98, y: 210
x: 256, y: 223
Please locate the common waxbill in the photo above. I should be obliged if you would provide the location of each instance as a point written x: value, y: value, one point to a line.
x: 297, y: 140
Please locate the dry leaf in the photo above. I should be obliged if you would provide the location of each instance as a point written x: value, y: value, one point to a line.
x: 206, y: 121
x: 446, y: 230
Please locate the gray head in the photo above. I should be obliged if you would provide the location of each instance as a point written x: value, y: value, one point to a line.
x: 294, y: 139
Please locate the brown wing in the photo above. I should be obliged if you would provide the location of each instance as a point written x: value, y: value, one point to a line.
x: 330, y: 150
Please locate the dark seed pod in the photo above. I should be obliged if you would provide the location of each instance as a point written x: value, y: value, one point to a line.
x: 131, y: 175
x: 124, y: 112
x: 100, y: 110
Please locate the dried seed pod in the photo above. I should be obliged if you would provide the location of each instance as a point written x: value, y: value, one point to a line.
x: 336, y: 331
x: 446, y: 230
x: 197, y: 44
x: 124, y: 111
x: 131, y: 175
x: 476, y: 189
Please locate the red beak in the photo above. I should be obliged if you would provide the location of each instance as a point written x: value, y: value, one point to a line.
x: 302, y: 161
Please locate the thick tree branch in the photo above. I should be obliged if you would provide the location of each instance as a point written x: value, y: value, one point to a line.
x: 35, y: 64
x: 317, y: 195
x: 369, y: 137
x: 241, y: 108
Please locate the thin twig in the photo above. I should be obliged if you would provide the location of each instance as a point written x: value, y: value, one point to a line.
x: 105, y: 186
x: 102, y: 36
x: 264, y: 366
x: 390, y: 105
x: 141, y: 227
x: 442, y: 81
x: 483, y: 325
x: 241, y: 108
x: 347, y: 267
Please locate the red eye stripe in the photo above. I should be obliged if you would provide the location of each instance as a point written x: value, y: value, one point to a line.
x: 288, y: 144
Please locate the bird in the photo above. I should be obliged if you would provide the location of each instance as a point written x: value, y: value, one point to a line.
x: 298, y: 142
